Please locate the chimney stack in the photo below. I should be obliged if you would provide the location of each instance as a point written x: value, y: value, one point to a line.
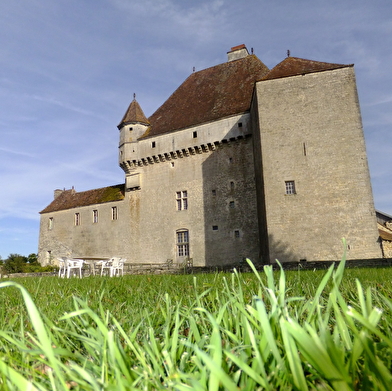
x: 237, y: 52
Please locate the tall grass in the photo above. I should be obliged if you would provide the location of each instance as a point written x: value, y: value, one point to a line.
x: 265, y: 331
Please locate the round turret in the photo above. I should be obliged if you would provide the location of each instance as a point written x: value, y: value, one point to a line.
x: 133, y: 126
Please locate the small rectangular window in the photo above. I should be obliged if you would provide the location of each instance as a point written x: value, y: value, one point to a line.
x: 290, y: 187
x: 114, y: 213
x: 50, y: 223
x: 240, y: 124
x: 215, y: 228
x: 195, y: 134
x: 95, y: 216
x: 214, y: 192
x: 236, y: 233
x: 153, y: 144
x: 77, y: 219
x: 231, y: 204
x: 182, y: 200
x: 231, y: 185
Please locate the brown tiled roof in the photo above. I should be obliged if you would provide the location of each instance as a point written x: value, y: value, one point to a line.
x: 292, y: 66
x: 69, y: 199
x: 208, y: 95
x: 133, y: 114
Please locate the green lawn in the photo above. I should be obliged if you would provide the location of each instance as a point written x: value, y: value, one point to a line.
x: 322, y: 330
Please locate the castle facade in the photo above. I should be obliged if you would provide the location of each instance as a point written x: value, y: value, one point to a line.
x: 240, y: 161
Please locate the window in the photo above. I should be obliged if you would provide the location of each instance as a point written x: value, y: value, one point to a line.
x: 77, y: 219
x: 236, y: 233
x: 50, y: 223
x: 114, y: 213
x: 194, y: 134
x: 240, y: 124
x: 231, y: 185
x: 215, y: 228
x: 153, y: 144
x: 290, y: 187
x: 183, y: 243
x: 182, y: 200
x: 231, y: 205
x: 95, y: 216
x: 214, y: 192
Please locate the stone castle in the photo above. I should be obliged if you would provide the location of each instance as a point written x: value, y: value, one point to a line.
x: 240, y: 162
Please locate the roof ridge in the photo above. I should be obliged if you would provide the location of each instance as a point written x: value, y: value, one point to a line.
x: 295, y: 66
x: 211, y: 93
x: 72, y: 199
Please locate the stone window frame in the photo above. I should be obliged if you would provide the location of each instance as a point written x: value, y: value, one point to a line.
x: 114, y: 213
x: 290, y: 187
x: 95, y: 216
x: 182, y: 200
x: 182, y: 242
x: 50, y: 223
x: 77, y: 220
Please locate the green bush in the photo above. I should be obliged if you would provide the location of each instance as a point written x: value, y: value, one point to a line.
x: 16, y: 263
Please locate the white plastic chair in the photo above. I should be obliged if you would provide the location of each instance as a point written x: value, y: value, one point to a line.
x: 74, y: 264
x: 62, y: 267
x: 117, y: 266
x: 105, y: 265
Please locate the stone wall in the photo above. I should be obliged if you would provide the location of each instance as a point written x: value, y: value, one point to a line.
x: 387, y: 248
x: 212, y: 162
x: 105, y: 238
x: 311, y: 133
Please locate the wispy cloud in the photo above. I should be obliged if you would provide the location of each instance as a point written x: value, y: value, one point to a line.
x: 64, y: 105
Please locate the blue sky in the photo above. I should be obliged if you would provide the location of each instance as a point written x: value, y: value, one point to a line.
x: 69, y: 68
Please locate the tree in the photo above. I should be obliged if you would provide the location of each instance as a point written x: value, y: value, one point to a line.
x: 32, y: 259
x: 15, y: 263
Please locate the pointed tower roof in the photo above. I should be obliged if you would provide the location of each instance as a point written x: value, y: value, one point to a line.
x: 134, y: 114
x: 293, y: 66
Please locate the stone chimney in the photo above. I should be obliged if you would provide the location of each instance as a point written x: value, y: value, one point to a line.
x: 237, y: 52
x: 57, y: 192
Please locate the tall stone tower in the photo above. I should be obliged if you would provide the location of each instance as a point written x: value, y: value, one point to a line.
x: 312, y: 173
x: 133, y: 125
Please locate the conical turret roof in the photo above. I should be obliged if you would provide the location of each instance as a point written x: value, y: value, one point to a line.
x: 134, y: 114
x: 293, y: 66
